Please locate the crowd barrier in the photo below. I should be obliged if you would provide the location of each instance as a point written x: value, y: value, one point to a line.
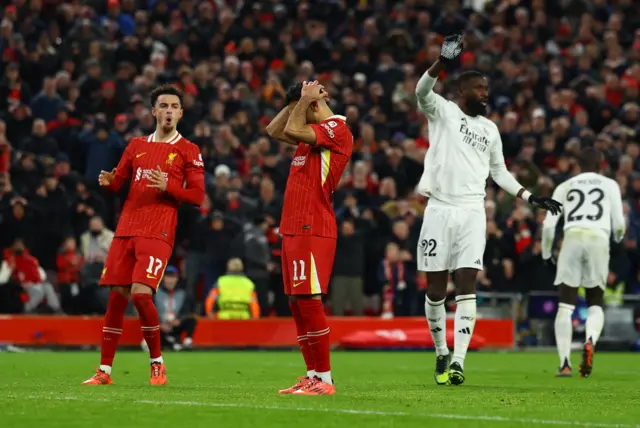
x: 347, y: 332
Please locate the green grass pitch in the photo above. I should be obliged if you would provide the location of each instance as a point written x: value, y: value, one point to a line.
x: 375, y: 389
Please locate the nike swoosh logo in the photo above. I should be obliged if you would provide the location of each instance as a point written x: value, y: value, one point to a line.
x: 139, y: 155
x: 295, y: 285
x: 151, y: 276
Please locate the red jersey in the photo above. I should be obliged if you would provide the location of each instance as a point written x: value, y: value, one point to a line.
x: 149, y: 212
x: 314, y: 174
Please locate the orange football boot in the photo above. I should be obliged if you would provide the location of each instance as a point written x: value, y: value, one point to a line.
x: 158, y: 374
x: 316, y: 387
x: 587, y: 359
x: 100, y: 378
x: 302, y: 380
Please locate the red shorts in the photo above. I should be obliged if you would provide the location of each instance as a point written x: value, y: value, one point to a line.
x: 307, y: 262
x: 135, y: 259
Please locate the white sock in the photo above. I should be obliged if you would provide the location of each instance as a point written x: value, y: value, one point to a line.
x: 595, y: 322
x: 437, y: 319
x: 187, y: 341
x: 325, y: 377
x: 157, y: 360
x: 564, y: 332
x: 463, y: 324
x: 106, y: 369
x: 311, y: 373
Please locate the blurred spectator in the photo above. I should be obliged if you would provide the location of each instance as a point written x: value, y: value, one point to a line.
x: 174, y: 309
x: 233, y: 296
x: 94, y: 246
x: 347, y: 288
x: 70, y: 262
x: 22, y: 267
x: 253, y: 247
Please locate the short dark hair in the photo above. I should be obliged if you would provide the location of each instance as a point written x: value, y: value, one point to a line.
x: 294, y: 93
x: 590, y: 159
x: 165, y: 90
x: 467, y: 76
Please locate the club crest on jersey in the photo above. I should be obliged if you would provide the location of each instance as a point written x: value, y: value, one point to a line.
x: 299, y: 161
x: 171, y: 157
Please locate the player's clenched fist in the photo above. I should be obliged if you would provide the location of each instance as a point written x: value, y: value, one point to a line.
x: 106, y: 178
x: 451, y: 48
x: 313, y: 90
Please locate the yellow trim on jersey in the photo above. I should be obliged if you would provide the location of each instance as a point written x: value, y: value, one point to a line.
x: 325, y: 164
x: 315, y: 281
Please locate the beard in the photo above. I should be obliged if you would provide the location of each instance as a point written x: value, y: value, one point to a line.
x: 476, y: 107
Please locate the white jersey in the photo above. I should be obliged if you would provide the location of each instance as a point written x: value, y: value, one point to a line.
x: 591, y: 202
x: 463, y: 151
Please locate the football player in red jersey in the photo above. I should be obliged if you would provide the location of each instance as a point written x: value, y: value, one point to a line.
x: 164, y: 169
x: 308, y: 224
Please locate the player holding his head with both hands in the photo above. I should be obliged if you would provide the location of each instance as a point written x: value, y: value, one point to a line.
x: 465, y: 149
x: 323, y: 148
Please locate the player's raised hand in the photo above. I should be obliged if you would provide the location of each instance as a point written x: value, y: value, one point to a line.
x: 157, y: 179
x: 451, y: 48
x: 548, y: 204
x: 313, y: 90
x: 106, y: 178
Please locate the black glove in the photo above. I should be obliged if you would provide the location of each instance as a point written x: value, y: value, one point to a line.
x: 547, y: 203
x: 451, y: 49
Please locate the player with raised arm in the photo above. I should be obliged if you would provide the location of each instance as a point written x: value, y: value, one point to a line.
x: 324, y: 145
x: 465, y: 148
x: 164, y: 169
x: 592, y: 211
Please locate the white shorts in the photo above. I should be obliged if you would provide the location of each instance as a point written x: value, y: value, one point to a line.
x: 583, y: 260
x: 451, y: 238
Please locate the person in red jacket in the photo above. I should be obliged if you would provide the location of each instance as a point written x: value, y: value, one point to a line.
x: 70, y: 262
x: 23, y: 268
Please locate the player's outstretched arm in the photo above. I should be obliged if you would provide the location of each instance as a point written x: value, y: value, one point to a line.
x: 275, y: 128
x: 297, y: 128
x: 549, y: 225
x: 429, y: 102
x: 505, y: 180
x: 114, y: 180
x: 192, y: 191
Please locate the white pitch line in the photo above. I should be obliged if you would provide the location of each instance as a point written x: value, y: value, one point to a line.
x: 342, y: 411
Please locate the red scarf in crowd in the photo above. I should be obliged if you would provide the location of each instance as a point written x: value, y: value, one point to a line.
x: 523, y: 237
x: 389, y: 288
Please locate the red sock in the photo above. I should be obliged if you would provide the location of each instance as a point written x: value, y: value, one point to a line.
x: 317, y: 332
x: 112, y: 329
x: 301, y: 329
x: 149, y: 322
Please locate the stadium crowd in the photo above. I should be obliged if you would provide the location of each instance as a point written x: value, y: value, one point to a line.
x: 75, y: 75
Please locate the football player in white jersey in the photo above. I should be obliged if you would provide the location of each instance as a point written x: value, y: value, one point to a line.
x: 465, y: 148
x: 592, y: 211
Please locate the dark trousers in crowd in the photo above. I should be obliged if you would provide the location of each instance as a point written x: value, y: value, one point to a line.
x: 194, y: 265
x: 10, y: 298
x: 262, y: 291
x: 187, y: 326
x: 83, y: 300
x: 281, y: 300
x: 347, y: 292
